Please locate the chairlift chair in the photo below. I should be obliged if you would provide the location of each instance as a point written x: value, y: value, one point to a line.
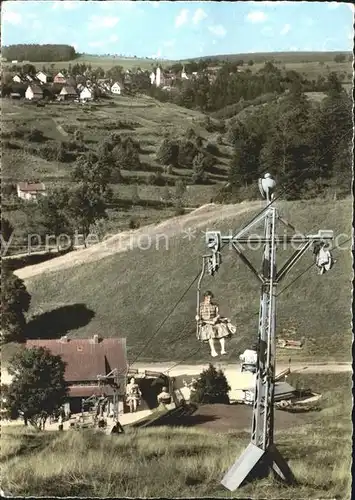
x: 212, y: 263
x: 323, y: 256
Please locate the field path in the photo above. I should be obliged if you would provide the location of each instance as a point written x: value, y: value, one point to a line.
x: 130, y: 240
x: 60, y: 129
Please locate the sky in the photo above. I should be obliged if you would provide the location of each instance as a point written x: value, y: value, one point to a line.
x: 180, y: 30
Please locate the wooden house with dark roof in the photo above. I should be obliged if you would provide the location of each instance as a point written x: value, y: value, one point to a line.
x: 93, y: 367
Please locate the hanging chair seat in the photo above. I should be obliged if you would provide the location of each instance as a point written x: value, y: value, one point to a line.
x: 222, y: 329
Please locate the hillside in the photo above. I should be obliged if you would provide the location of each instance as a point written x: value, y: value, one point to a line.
x: 282, y: 57
x: 310, y: 64
x: 142, y: 118
x: 105, y: 62
x: 118, y: 288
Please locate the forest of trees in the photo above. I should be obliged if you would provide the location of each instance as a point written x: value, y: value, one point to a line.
x: 306, y: 145
x: 39, y: 53
x: 232, y: 86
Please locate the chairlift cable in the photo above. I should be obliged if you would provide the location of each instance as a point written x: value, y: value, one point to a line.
x: 195, y: 351
x: 165, y: 319
x: 307, y: 269
x: 284, y: 189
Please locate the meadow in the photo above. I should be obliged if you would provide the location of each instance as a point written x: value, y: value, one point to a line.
x: 178, y: 462
x: 148, y: 120
x: 146, y: 271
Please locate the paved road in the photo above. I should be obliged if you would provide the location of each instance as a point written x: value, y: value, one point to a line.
x: 182, y: 369
x: 231, y: 368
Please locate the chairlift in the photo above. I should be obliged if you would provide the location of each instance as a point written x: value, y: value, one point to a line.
x: 211, y: 263
x: 209, y: 325
x: 323, y: 256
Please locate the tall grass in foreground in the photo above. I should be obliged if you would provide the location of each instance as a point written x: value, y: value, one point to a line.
x: 179, y: 462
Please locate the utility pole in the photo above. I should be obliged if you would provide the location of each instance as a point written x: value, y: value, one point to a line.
x: 261, y: 454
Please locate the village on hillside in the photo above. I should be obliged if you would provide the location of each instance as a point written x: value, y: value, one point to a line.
x: 176, y: 249
x: 64, y: 86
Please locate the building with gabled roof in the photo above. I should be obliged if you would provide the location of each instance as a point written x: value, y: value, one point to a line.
x: 33, y: 91
x: 68, y: 92
x: 30, y: 190
x: 59, y: 78
x: 86, y: 360
x: 117, y: 88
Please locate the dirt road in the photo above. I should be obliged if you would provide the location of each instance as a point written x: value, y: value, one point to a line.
x: 232, y: 371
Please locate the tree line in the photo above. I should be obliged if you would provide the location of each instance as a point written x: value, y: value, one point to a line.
x: 39, y: 53
x: 231, y: 85
x: 306, y: 145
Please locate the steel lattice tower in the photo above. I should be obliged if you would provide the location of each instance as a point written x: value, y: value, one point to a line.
x: 261, y: 454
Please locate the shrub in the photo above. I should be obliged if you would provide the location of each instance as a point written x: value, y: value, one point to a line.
x: 211, y: 387
x: 19, y: 133
x: 187, y: 152
x: 190, y: 133
x: 198, y: 174
x: 78, y: 135
x: 167, y: 153
x: 169, y: 169
x: 156, y: 179
x: 209, y: 161
x: 212, y: 148
x: 133, y: 223
x: 219, y: 139
x: 35, y: 135
x: 10, y: 145
x: 199, y: 141
x: 179, y: 207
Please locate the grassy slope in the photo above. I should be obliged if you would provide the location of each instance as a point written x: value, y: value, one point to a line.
x: 151, y: 117
x: 283, y: 57
x: 99, y: 61
x: 131, y: 292
x: 187, y: 463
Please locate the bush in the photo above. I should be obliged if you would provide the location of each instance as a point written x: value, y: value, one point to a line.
x: 126, y: 155
x: 133, y: 223
x: 70, y: 129
x: 199, y: 141
x: 209, y: 162
x: 167, y: 153
x: 179, y: 207
x: 198, y: 173
x: 219, y: 140
x: 211, y: 387
x: 212, y: 148
x: 156, y: 179
x: 35, y: 135
x: 190, y: 133
x: 10, y: 145
x: 187, y: 152
x: 19, y: 133
x: 169, y: 170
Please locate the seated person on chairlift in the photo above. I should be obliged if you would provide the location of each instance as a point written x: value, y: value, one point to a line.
x: 133, y: 395
x: 249, y: 359
x: 324, y: 259
x: 212, y: 326
x: 164, y: 397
